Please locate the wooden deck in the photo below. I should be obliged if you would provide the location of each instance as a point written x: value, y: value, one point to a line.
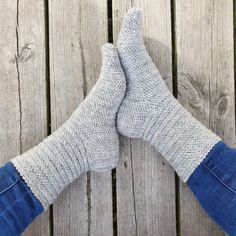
x: 49, y: 60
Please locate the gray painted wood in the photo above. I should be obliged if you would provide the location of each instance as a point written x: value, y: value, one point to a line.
x: 23, y: 104
x: 206, y: 85
x: 77, y: 31
x: 145, y: 182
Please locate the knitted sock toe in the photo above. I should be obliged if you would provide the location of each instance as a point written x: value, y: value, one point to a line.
x: 149, y: 111
x: 87, y: 141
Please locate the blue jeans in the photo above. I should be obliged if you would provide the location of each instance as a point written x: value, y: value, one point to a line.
x: 214, y: 185
x: 18, y: 205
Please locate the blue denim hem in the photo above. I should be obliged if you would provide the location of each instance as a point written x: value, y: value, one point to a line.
x: 214, y: 185
x: 18, y: 205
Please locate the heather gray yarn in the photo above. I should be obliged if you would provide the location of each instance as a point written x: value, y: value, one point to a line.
x: 149, y: 111
x: 87, y: 141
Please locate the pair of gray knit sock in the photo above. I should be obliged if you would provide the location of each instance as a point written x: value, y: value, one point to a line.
x: 129, y: 95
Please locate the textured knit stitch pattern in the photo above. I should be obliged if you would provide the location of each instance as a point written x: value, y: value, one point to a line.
x: 149, y: 111
x: 87, y: 141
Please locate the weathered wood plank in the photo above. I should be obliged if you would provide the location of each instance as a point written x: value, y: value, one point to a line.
x: 9, y: 95
x: 32, y: 78
x: 95, y: 31
x: 77, y: 30
x: 23, y: 119
x: 206, y: 85
x: 145, y: 182
x: 66, y: 86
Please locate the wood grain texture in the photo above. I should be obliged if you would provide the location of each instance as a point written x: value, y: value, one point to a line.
x: 32, y: 80
x: 77, y: 31
x: 9, y: 86
x: 70, y: 215
x: 145, y: 182
x: 23, y: 106
x: 204, y: 31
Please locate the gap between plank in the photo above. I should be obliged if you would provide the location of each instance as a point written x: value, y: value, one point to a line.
x: 18, y: 72
x: 175, y: 93
x: 113, y: 172
x: 48, y: 94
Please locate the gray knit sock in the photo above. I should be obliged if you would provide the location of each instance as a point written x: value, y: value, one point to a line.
x: 87, y: 141
x: 149, y: 111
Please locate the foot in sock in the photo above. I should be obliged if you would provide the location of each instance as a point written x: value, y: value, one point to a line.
x: 149, y: 111
x: 87, y: 141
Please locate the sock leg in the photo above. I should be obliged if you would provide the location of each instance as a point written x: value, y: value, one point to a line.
x: 149, y: 111
x: 87, y: 141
